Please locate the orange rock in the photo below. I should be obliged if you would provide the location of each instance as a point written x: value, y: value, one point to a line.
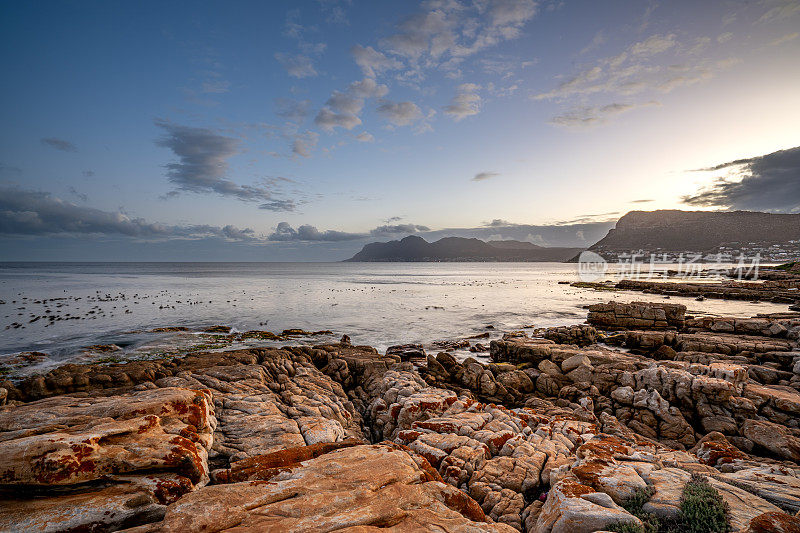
x: 358, y: 489
x: 775, y: 522
x: 264, y: 467
x: 65, y: 440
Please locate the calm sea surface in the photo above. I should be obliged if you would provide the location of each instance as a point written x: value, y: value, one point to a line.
x: 379, y: 304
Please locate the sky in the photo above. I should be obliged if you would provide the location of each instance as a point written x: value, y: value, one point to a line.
x: 299, y: 131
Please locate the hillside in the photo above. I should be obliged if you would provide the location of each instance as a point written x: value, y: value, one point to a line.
x: 674, y: 230
x: 414, y: 248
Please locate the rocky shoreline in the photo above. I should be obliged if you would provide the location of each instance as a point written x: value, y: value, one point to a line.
x: 562, y: 431
x: 777, y: 284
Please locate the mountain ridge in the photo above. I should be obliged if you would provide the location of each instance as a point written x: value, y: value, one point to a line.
x: 677, y: 230
x: 416, y: 249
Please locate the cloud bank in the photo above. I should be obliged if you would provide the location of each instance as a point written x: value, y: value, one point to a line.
x: 308, y: 233
x: 768, y: 183
x: 37, y: 213
x: 203, y: 163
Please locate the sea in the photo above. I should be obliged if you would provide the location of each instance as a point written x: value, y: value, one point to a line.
x: 376, y: 304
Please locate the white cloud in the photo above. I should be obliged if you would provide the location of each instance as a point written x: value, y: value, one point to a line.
x: 657, y: 64
x: 724, y: 37
x: 588, y: 116
x: 343, y: 108
x: 365, y: 137
x: 345, y: 103
x: 31, y: 212
x: 371, y: 61
x: 628, y: 72
x: 443, y: 33
x: 465, y: 103
x: 297, y: 65
x: 216, y: 86
x: 785, y: 39
x: 308, y: 233
x: 368, y: 88
x: 654, y: 44
x: 400, y: 113
x: 292, y: 109
x: 782, y: 9
x: 304, y: 142
x: 598, y: 39
x: 329, y: 120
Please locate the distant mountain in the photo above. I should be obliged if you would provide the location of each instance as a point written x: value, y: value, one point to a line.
x: 413, y: 248
x: 676, y: 231
x: 514, y: 245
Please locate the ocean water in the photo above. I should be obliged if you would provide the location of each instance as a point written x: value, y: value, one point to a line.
x: 379, y: 304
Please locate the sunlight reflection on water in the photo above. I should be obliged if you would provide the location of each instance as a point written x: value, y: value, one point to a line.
x: 379, y: 304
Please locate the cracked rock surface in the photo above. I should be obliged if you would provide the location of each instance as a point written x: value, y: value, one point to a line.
x: 554, y: 435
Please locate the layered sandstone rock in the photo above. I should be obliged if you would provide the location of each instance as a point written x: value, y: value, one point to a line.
x: 778, y: 292
x: 283, y: 402
x: 68, y: 440
x: 117, y: 460
x: 637, y: 315
x: 359, y: 488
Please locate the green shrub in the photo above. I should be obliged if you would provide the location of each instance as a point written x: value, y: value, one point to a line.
x: 702, y: 508
x: 702, y: 511
x: 625, y: 527
x: 635, y: 503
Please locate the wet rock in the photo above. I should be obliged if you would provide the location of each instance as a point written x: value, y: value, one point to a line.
x: 103, y: 348
x: 452, y: 345
x: 218, y: 329
x: 730, y: 290
x: 408, y: 352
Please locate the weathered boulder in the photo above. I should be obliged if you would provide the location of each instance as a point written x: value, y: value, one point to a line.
x: 579, y: 334
x: 778, y: 485
x: 280, y: 403
x: 67, y: 440
x: 668, y: 484
x: 766, y: 327
x: 408, y: 352
x: 774, y: 522
x: 133, y: 500
x: 269, y: 465
x: 715, y: 450
x: 572, y: 507
x: 773, y: 438
x: 637, y: 315
x: 356, y: 488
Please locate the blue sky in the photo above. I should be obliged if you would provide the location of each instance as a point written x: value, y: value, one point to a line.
x: 217, y: 130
